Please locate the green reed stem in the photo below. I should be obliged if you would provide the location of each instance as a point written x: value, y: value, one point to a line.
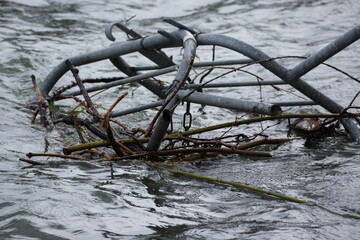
x: 291, y: 199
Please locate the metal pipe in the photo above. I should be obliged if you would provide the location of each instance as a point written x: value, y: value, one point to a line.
x: 127, y: 80
x: 202, y: 64
x: 281, y: 72
x: 117, y: 49
x: 136, y: 109
x: 155, y: 55
x: 235, y: 84
x: 294, y: 103
x: 159, y: 103
x: 171, y: 69
x: 153, y: 86
x: 229, y: 103
x: 161, y: 125
x: 158, y: 41
x: 324, y: 54
x: 179, y: 25
x: 190, y: 45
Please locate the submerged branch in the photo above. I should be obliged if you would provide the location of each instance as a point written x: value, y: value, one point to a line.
x: 30, y: 155
x: 264, y: 141
x: 80, y: 147
x: 32, y: 162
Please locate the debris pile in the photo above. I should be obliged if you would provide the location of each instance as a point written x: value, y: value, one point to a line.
x: 158, y: 141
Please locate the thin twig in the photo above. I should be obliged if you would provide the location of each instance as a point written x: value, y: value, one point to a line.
x: 107, y: 114
x: 112, y: 140
x: 83, y: 91
x: 106, y: 124
x: 49, y: 123
x: 30, y: 155
x: 264, y: 141
x: 79, y: 129
x: 32, y: 161
x: 353, y: 100
x: 40, y: 108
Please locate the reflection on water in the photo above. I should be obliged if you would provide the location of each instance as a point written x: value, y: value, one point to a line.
x: 78, y: 200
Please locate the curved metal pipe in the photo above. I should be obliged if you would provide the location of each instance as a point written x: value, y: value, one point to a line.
x: 117, y: 49
x: 155, y: 55
x: 161, y: 126
x: 128, y: 80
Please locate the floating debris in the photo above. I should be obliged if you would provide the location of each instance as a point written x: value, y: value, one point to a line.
x: 158, y: 141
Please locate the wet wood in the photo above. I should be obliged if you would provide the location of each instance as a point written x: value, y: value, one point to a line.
x: 83, y: 91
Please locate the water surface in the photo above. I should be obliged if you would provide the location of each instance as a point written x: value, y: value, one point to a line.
x: 79, y: 200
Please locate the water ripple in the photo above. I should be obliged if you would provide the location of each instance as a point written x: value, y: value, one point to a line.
x: 79, y: 199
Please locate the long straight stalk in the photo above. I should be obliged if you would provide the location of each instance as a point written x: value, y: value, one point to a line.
x: 258, y: 190
x: 203, y: 64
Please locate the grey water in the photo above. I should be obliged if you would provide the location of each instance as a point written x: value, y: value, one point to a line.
x: 79, y: 200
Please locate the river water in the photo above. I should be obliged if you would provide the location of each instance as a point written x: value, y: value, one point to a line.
x: 79, y: 200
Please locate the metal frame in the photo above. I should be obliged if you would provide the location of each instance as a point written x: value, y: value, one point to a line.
x: 178, y: 91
